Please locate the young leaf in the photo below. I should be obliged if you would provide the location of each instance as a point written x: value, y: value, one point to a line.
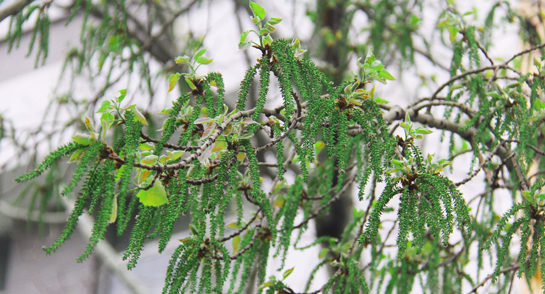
x: 182, y: 59
x: 172, y: 80
x: 199, y: 54
x: 322, y: 253
x: 77, y: 154
x: 385, y: 74
x: 138, y: 116
x: 274, y: 20
x: 190, y: 83
x: 146, y: 146
x: 149, y: 160
x: 220, y: 144
x: 154, y: 196
x: 287, y: 273
x: 257, y: 10
x: 82, y: 139
x: 204, y: 60
x: 424, y: 131
x: 122, y: 94
x: 113, y: 214
x: 233, y: 225
x: 104, y: 106
x: 243, y: 37
x: 236, y: 242
x: 194, y: 230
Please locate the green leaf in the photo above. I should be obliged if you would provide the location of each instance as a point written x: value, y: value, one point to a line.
x: 149, y: 160
x: 186, y: 240
x: 104, y: 106
x: 398, y: 163
x: 385, y: 74
x: 89, y: 126
x: 323, y: 253
x: 199, y: 54
x: 380, y: 100
x: 204, y: 60
x: 452, y: 33
x: 113, y: 213
x: 421, y: 130
x: 220, y: 144
x: 243, y: 37
x: 257, y: 10
x: 190, y: 83
x: 82, y: 139
x: 146, y: 146
x: 287, y: 273
x: 233, y: 225
x: 267, y: 40
x: 176, y: 154
x: 194, y: 230
x: 172, y: 80
x: 266, y: 285
x: 236, y: 242
x: 166, y: 110
x: 539, y: 105
x: 77, y: 154
x: 406, y: 126
x: 119, y: 172
x: 182, y: 59
x: 122, y: 94
x: 154, y: 196
x: 274, y: 20
x: 528, y: 197
x: 138, y: 116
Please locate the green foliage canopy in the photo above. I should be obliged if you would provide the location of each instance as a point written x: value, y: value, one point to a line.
x: 205, y: 161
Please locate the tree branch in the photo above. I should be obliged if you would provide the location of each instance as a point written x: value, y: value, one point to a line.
x: 13, y: 8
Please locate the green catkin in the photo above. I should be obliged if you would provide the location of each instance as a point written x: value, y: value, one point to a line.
x: 503, y: 254
x: 188, y: 133
x: 525, y: 236
x: 132, y: 139
x: 279, y: 152
x: 249, y: 263
x: 263, y: 252
x: 79, y: 206
x: 85, y: 160
x: 216, y: 77
x: 220, y: 198
x: 49, y: 160
x: 404, y: 222
x: 139, y: 234
x: 314, y: 271
x: 170, y: 124
x: 177, y: 192
x: 123, y: 215
x: 256, y: 193
x: 97, y: 193
x: 374, y: 218
x: 103, y: 216
x: 245, y: 240
x: 541, y: 253
x: 501, y: 224
x: 176, y: 255
x: 205, y: 285
x: 264, y: 80
x: 245, y: 87
x: 209, y: 99
x: 291, y: 205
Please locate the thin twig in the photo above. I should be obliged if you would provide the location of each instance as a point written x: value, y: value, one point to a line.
x: 513, y: 267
